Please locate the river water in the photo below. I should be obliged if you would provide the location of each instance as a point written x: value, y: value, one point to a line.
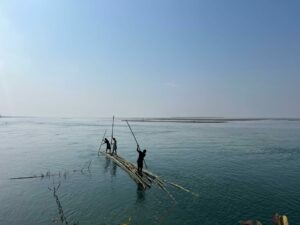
x: 241, y: 170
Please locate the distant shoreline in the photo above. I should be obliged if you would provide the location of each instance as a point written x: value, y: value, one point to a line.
x: 206, y: 120
x: 175, y: 119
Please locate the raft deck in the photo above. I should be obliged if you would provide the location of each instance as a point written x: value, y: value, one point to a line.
x: 145, y: 179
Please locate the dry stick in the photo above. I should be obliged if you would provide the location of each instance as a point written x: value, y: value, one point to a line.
x: 135, y: 140
x: 102, y: 142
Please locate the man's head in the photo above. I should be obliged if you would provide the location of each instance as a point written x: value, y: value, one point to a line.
x: 144, y: 150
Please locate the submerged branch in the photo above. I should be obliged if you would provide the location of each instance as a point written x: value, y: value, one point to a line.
x: 59, y: 174
x: 63, y: 218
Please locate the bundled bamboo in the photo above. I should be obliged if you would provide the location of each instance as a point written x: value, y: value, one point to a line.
x: 145, y: 178
x: 130, y: 169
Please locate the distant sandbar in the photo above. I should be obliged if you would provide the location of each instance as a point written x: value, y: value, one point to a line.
x: 203, y: 120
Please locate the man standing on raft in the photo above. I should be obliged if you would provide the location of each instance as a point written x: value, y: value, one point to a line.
x: 140, y: 160
x: 107, y: 145
x: 114, y: 151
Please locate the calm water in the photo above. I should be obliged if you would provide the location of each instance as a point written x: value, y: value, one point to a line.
x: 241, y: 170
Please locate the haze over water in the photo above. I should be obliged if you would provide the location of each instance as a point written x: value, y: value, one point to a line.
x: 241, y: 170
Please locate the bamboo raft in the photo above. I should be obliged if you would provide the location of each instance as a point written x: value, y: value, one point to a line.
x: 146, y: 179
x: 143, y: 179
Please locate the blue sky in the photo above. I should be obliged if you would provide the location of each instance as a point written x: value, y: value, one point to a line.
x: 150, y: 58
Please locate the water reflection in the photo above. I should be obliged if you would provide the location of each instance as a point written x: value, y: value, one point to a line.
x: 140, y: 194
x: 111, y: 166
x: 114, y: 169
x: 107, y: 163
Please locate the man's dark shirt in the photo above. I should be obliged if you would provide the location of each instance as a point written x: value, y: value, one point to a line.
x: 107, y: 144
x: 141, y: 156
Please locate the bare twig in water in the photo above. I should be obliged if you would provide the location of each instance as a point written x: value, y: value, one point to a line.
x: 35, y: 176
x: 59, y: 174
x: 62, y: 218
x: 89, y: 166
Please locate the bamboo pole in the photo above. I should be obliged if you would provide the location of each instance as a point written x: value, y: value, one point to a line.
x: 171, y: 183
x: 182, y: 188
x: 136, y: 141
x: 112, y: 130
x: 102, y: 141
x: 132, y: 133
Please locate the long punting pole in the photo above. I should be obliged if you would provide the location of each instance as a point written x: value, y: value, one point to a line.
x: 135, y: 141
x: 102, y: 141
x: 132, y: 133
x: 112, y: 129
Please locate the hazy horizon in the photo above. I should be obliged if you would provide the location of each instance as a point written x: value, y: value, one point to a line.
x: 156, y: 117
x: 150, y: 59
